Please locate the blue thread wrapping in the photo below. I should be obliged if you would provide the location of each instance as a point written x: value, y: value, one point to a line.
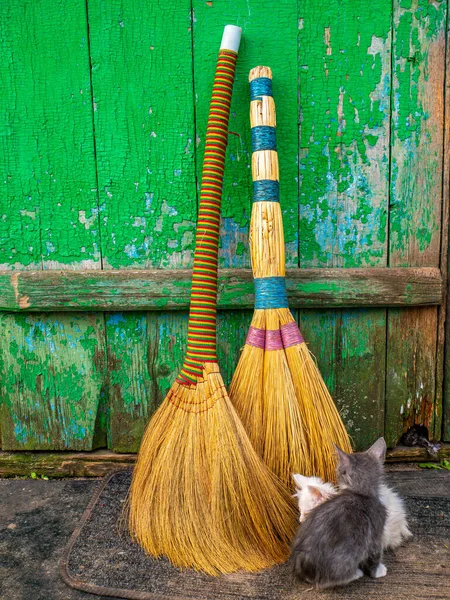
x: 262, y: 86
x: 264, y: 138
x: 270, y: 292
x: 266, y: 190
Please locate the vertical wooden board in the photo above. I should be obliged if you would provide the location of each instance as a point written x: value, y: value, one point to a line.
x: 141, y: 56
x: 145, y: 353
x: 51, y: 215
x: 411, y: 375
x: 50, y: 380
x: 349, y: 346
x: 49, y: 205
x: 266, y: 40
x: 345, y: 87
x: 444, y: 321
x: 344, y: 74
x: 415, y: 207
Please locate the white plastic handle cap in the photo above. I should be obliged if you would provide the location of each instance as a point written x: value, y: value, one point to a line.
x: 231, y: 38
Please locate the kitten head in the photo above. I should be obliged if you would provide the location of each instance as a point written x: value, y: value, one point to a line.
x: 362, y: 471
x: 311, y: 491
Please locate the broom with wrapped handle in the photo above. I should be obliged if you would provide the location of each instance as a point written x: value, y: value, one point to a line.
x: 200, y: 494
x: 277, y: 388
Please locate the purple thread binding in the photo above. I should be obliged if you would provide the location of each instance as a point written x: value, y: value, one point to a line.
x: 256, y: 337
x: 273, y: 339
x: 291, y: 335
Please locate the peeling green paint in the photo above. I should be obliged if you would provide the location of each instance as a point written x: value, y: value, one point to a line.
x: 417, y: 133
x: 344, y: 70
x: 145, y: 133
x: 47, y: 172
x: 51, y: 375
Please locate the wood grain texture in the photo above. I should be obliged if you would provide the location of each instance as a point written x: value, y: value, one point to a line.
x: 415, y: 208
x: 163, y: 289
x: 443, y: 369
x: 52, y: 375
x: 144, y: 132
x: 411, y: 371
x: 48, y: 175
x: 350, y: 349
x: 145, y: 354
x: 50, y: 220
x: 345, y: 87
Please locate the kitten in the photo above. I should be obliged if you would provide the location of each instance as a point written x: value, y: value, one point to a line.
x: 312, y: 491
x: 342, y: 538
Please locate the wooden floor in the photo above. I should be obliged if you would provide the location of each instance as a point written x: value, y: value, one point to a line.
x: 101, y: 559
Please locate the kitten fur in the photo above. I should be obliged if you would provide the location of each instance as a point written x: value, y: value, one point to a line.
x: 312, y: 491
x: 342, y: 538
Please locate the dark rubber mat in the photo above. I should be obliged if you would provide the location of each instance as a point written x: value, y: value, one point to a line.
x: 100, y: 561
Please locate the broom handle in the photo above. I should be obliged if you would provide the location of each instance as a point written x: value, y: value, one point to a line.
x: 202, y: 315
x: 266, y: 226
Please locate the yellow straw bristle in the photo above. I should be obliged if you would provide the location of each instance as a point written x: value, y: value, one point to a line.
x: 200, y: 494
x: 264, y: 396
x: 320, y: 415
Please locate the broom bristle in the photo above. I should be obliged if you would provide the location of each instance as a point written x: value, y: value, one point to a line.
x: 246, y: 389
x: 263, y: 394
x: 320, y: 414
x: 200, y: 494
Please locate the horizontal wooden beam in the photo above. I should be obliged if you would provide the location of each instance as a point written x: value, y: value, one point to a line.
x: 101, y: 462
x: 167, y: 289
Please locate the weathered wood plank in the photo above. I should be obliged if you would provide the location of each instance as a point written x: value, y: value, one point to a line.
x: 145, y: 353
x: 49, y: 207
x: 415, y: 207
x: 101, y: 462
x: 49, y: 220
x: 344, y: 68
x: 144, y: 129
x: 411, y: 375
x: 232, y: 329
x: 345, y: 88
x: 50, y: 380
x: 444, y: 330
x: 169, y: 289
x: 261, y: 44
x: 349, y: 345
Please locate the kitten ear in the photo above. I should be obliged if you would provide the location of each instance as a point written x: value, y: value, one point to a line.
x: 344, y: 458
x: 378, y: 449
x: 316, y: 492
x: 300, y: 480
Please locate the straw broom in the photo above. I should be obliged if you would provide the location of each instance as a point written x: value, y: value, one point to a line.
x: 277, y: 388
x: 200, y: 494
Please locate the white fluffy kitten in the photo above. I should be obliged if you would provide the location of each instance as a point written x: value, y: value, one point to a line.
x: 312, y: 491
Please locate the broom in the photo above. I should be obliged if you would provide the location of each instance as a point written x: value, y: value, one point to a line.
x: 277, y: 388
x: 200, y: 494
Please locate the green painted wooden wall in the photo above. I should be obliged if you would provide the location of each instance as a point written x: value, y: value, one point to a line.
x: 104, y: 109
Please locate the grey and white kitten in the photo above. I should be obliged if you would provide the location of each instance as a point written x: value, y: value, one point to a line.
x: 342, y: 538
x: 312, y: 491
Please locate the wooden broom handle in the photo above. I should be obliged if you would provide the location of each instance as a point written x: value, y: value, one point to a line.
x: 266, y: 226
x: 202, y: 314
x: 263, y: 123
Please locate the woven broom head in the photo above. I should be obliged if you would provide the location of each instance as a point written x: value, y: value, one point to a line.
x: 200, y: 494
